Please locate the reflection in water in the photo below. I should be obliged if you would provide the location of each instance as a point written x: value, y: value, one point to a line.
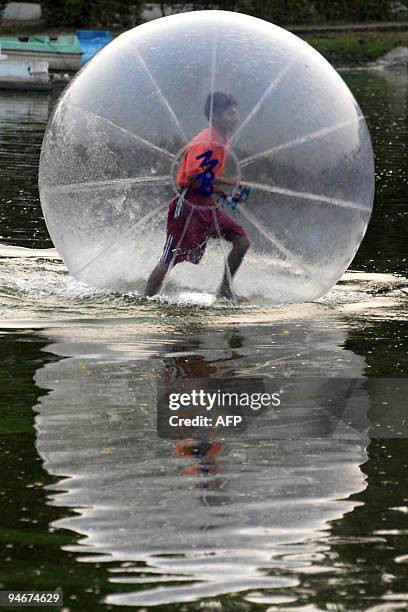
x: 208, y: 516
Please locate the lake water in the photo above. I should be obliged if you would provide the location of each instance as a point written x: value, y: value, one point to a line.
x: 301, y: 512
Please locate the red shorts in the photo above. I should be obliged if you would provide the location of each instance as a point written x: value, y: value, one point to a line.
x: 192, y: 219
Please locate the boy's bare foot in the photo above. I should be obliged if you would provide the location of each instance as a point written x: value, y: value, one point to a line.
x: 241, y: 299
x: 233, y: 297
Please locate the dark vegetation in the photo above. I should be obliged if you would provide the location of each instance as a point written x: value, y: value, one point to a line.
x: 128, y: 12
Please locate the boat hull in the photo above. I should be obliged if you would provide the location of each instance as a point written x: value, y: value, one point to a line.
x: 23, y: 85
x: 68, y: 62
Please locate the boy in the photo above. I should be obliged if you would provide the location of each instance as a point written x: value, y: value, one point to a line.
x: 193, y: 216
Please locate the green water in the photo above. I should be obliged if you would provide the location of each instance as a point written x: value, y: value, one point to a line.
x: 92, y: 501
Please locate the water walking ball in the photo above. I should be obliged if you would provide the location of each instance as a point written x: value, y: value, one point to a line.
x: 115, y: 142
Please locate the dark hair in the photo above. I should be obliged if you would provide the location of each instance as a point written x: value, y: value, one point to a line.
x: 221, y: 101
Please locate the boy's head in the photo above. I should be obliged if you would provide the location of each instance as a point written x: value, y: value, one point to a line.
x: 225, y: 110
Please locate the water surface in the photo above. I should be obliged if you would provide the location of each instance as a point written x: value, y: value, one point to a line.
x: 94, y: 502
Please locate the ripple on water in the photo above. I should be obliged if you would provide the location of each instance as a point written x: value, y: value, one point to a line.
x: 37, y: 287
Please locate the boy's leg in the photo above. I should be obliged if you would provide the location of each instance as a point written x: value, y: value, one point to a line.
x: 158, y: 275
x: 227, y: 228
x: 156, y: 278
x: 176, y: 226
x: 240, y: 245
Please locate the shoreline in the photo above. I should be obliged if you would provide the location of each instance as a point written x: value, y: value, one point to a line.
x: 355, y: 44
x: 355, y: 47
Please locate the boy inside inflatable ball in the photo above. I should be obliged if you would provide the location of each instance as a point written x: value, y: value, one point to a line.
x: 196, y: 214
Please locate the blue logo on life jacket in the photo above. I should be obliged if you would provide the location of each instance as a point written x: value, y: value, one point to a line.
x: 207, y: 176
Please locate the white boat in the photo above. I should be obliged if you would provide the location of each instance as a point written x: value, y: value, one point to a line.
x: 23, y: 75
x: 62, y: 52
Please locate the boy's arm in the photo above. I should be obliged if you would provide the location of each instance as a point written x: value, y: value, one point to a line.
x: 193, y: 181
x: 226, y: 181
